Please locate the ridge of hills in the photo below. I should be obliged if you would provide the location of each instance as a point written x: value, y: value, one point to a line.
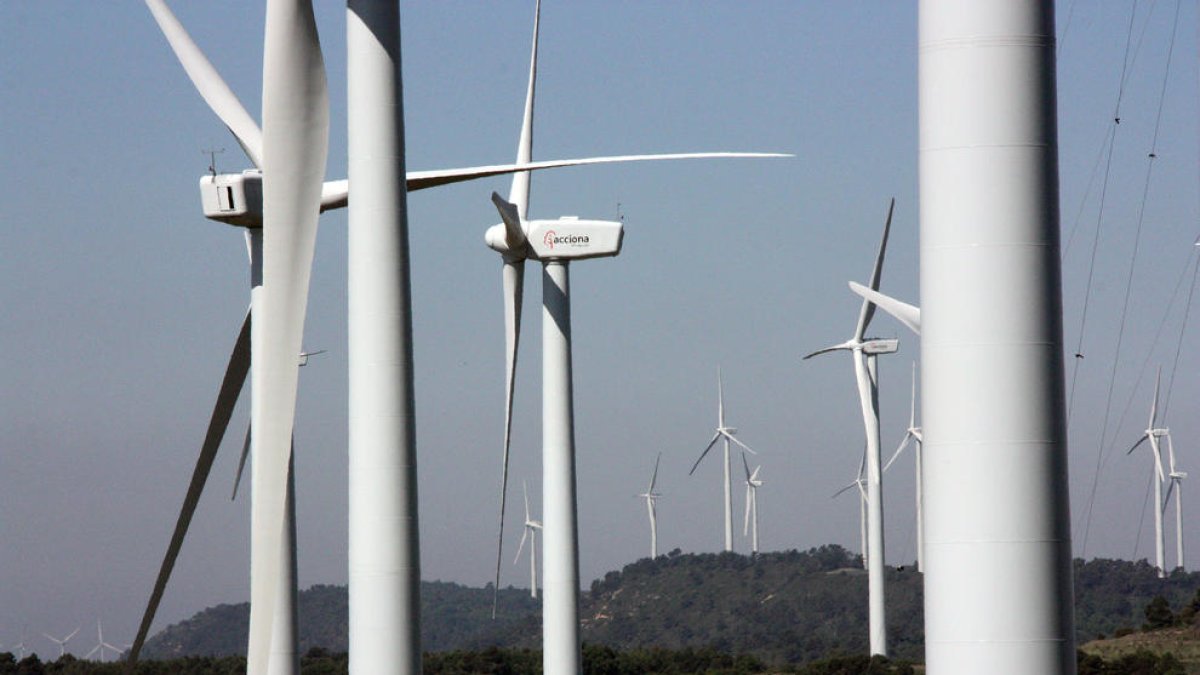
x: 786, y: 606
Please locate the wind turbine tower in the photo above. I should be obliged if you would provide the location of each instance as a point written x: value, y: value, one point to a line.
x: 727, y: 434
x: 913, y: 433
x: 750, y: 522
x: 384, y: 553
x: 1154, y: 434
x: 997, y: 526
x: 531, y: 531
x: 863, y: 351
x: 859, y: 483
x: 651, y: 498
x: 1176, y: 485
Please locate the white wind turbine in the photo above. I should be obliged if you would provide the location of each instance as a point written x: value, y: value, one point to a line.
x: 1153, y: 433
x: 863, y: 351
x: 295, y: 84
x: 531, y: 529
x: 913, y: 433
x: 62, y: 642
x: 1175, y: 476
x: 101, y: 645
x: 555, y: 243
x: 651, y: 498
x: 753, y: 482
x: 860, y: 483
x: 726, y: 434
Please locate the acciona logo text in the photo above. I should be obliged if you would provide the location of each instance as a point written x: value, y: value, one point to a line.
x: 553, y: 239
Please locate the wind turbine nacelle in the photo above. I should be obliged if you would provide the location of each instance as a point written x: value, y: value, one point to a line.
x: 881, y: 346
x: 233, y: 198
x: 569, y: 238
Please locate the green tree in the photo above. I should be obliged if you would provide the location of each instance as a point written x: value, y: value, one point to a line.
x: 1158, y: 614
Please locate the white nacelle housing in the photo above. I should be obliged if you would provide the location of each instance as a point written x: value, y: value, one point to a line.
x: 569, y: 238
x: 881, y: 346
x: 233, y: 198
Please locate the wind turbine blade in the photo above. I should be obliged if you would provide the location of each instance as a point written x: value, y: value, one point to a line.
x: 519, y: 194
x: 654, y: 476
x: 909, y: 315
x: 711, y: 443
x: 72, y: 633
x: 847, y: 487
x: 746, y: 510
x: 237, y: 479
x: 746, y: 466
x: 335, y: 194
x: 295, y: 148
x: 903, y: 444
x: 1167, y: 497
x: 1154, y: 403
x: 912, y: 409
x: 420, y: 180
x: 1135, y: 445
x: 525, y: 490
x: 510, y: 214
x: 720, y: 400
x: 1170, y: 454
x: 514, y: 287
x: 219, y: 97
x: 521, y: 547
x: 834, y: 348
x: 739, y: 443
x: 231, y: 387
x: 868, y: 310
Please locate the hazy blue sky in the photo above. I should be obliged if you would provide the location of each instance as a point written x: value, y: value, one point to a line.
x: 121, y: 302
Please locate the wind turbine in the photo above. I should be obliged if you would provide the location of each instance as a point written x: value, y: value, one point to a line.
x: 1153, y: 433
x: 1176, y: 484
x: 62, y: 642
x: 753, y: 482
x: 555, y: 243
x: 531, y: 529
x: 296, y: 83
x: 860, y: 483
x: 651, y: 497
x: 20, y: 646
x: 863, y: 351
x: 913, y: 433
x: 101, y: 645
x: 726, y: 434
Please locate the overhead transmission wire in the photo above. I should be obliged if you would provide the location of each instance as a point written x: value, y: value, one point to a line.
x: 1151, y: 156
x: 1137, y: 539
x: 1087, y: 295
x: 1154, y: 345
x: 1187, y: 308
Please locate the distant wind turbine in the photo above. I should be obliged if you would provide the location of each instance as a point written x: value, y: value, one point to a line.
x: 651, y: 497
x: 1176, y: 485
x: 913, y: 433
x: 101, y: 645
x: 860, y: 483
x: 726, y: 434
x: 1153, y: 433
x: 531, y: 532
x: 863, y: 351
x: 753, y: 482
x: 62, y: 642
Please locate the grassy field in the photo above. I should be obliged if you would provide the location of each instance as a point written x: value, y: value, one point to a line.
x: 1184, y: 643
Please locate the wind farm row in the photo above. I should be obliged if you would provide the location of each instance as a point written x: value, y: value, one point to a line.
x: 622, y: 396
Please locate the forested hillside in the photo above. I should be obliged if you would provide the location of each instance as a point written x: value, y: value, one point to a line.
x: 779, y: 607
